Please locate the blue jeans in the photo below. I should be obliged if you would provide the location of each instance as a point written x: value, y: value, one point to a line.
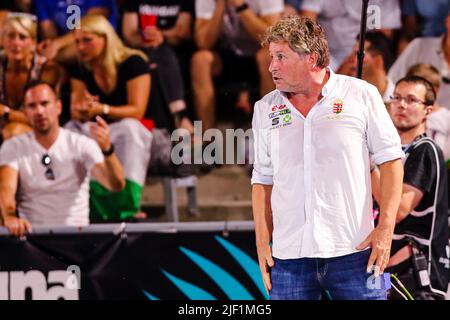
x: 342, y: 278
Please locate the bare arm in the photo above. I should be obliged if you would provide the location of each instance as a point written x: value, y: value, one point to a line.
x: 138, y: 90
x: 207, y: 31
x: 9, y: 178
x: 391, y: 181
x: 181, y: 31
x: 255, y: 25
x: 109, y: 173
x: 309, y: 14
x: 410, y: 198
x: 130, y: 30
x: 262, y: 215
x: 100, y: 11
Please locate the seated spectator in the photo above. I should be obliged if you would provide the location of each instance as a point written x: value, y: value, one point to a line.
x: 438, y: 123
x: 434, y: 51
x: 377, y: 61
x: 19, y: 65
x: 155, y: 27
x: 47, y: 170
x: 6, y: 6
x: 341, y: 21
x: 422, y: 19
x: 421, y: 224
x: 227, y: 33
x: 53, y: 18
x: 113, y: 81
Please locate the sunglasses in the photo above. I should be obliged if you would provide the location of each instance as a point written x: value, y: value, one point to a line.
x: 47, y: 162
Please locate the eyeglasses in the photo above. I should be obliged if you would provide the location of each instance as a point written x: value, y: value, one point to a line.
x: 47, y: 162
x: 409, y: 100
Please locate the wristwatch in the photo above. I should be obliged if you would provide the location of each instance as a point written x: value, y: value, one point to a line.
x: 6, y: 111
x: 109, y: 152
x: 241, y: 7
x: 106, y: 109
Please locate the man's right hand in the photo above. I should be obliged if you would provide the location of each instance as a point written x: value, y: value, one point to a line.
x: 17, y: 226
x: 265, y: 263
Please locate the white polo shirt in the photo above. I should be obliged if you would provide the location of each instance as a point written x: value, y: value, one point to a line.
x: 64, y: 200
x: 319, y: 166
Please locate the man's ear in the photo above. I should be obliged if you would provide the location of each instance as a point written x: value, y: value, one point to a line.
x: 428, y: 110
x: 59, y: 106
x: 312, y: 60
x: 379, y: 60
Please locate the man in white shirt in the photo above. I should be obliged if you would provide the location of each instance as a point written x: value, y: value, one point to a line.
x: 311, y: 179
x: 432, y: 50
x: 48, y: 170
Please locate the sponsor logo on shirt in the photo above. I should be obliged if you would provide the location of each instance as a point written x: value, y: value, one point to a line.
x: 279, y: 113
x: 275, y: 121
x: 280, y: 107
x: 287, y: 118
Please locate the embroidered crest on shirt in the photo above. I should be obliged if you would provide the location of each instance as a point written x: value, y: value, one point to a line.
x: 337, y: 106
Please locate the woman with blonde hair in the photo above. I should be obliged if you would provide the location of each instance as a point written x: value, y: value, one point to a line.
x: 112, y: 81
x: 19, y: 65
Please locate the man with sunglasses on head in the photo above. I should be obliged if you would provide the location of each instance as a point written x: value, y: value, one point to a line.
x: 419, y: 254
x: 44, y: 174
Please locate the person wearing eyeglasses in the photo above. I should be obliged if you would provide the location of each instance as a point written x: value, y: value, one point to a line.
x: 419, y: 253
x: 45, y: 174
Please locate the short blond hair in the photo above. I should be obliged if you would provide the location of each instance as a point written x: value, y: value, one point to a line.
x: 303, y: 35
x: 22, y: 22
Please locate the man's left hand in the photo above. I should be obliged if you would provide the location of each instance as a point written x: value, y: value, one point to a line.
x: 380, y: 241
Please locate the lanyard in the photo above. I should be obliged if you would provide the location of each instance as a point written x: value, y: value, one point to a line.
x: 408, y: 147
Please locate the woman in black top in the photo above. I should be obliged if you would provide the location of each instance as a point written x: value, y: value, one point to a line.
x: 113, y: 82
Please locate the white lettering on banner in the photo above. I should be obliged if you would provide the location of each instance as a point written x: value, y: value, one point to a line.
x: 163, y: 11
x: 373, y: 17
x: 73, y: 21
x: 15, y: 284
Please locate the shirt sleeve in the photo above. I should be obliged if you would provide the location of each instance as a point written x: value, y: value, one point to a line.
x: 382, y: 138
x: 204, y: 9
x: 420, y: 168
x: 133, y: 67
x: 390, y: 15
x: 187, y: 6
x: 313, y: 5
x: 131, y: 6
x: 268, y: 7
x: 262, y: 165
x: 8, y: 154
x: 90, y: 152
